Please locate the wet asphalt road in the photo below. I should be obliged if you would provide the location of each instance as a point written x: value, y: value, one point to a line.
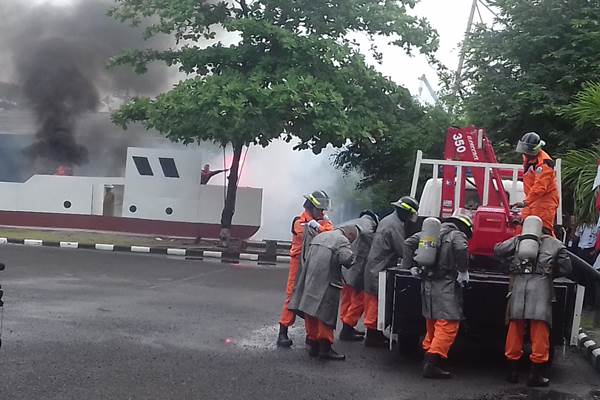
x: 90, y: 325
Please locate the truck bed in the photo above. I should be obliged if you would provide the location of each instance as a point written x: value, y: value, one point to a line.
x: 484, y: 308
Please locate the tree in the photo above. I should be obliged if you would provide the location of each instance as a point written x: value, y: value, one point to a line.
x: 580, y: 165
x: 387, y: 163
x: 522, y: 72
x: 293, y: 73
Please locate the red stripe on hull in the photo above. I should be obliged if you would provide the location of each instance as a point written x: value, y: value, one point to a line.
x: 120, y: 224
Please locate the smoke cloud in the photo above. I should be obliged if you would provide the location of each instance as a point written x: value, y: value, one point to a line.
x: 59, y: 92
x: 58, y: 56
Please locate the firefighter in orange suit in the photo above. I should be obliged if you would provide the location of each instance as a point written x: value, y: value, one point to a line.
x: 534, y: 260
x: 315, y: 219
x: 441, y: 291
x: 539, y: 180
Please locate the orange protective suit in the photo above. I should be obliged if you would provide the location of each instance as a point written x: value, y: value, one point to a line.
x: 370, y: 302
x: 540, y: 340
x: 317, y: 330
x: 541, y: 189
x: 440, y: 336
x: 352, y: 305
x: 287, y: 317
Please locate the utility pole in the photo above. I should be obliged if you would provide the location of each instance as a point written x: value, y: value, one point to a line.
x: 461, y: 60
x: 432, y: 93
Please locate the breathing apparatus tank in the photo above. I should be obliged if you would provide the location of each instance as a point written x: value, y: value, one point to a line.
x: 426, y: 253
x: 529, y: 244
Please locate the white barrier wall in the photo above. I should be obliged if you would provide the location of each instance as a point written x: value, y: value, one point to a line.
x: 153, y: 196
x: 56, y: 194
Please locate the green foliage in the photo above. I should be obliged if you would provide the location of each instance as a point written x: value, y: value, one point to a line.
x: 387, y: 162
x: 292, y: 73
x: 586, y: 106
x: 579, y: 172
x: 521, y: 73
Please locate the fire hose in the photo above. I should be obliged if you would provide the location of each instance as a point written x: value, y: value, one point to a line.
x: 583, y: 273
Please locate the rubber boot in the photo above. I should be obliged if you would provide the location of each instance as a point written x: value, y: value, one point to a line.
x: 536, y: 376
x: 375, y: 338
x: 327, y: 353
x: 513, y: 371
x: 349, y: 334
x: 282, y: 339
x: 432, y: 369
x: 313, y: 347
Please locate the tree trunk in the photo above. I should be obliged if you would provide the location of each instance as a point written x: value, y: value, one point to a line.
x: 229, y: 208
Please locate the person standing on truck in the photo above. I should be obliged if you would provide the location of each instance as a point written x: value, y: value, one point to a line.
x: 441, y: 289
x: 353, y: 306
x: 313, y: 217
x: 316, y: 296
x: 534, y: 260
x: 387, y: 248
x: 539, y: 181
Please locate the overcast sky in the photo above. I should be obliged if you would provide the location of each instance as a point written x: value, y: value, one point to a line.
x: 449, y: 17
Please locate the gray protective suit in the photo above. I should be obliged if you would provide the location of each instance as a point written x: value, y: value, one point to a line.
x: 531, y: 295
x: 355, y: 276
x: 441, y: 295
x: 386, y: 249
x: 319, y: 285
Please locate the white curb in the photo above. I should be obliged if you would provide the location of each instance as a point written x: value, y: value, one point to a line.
x: 212, y: 254
x: 140, y: 249
x: 105, y: 247
x: 69, y: 245
x: 33, y: 242
x: 283, y: 259
x: 176, y: 252
x: 249, y: 257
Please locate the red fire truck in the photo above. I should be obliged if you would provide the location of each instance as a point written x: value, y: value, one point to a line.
x: 471, y: 178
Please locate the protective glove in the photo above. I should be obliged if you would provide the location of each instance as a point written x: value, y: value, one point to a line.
x: 313, y: 224
x: 415, y: 271
x: 463, y: 277
x: 326, y: 217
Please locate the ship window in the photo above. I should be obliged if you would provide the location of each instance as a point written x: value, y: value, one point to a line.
x: 67, y: 204
x: 169, y: 168
x: 143, y: 166
x: 169, y: 211
x: 132, y: 209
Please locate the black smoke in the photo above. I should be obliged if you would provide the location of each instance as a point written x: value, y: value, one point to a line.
x: 58, y: 56
x: 59, y: 92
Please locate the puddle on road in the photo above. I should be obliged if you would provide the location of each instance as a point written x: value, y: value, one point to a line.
x: 533, y: 394
x: 265, y: 338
